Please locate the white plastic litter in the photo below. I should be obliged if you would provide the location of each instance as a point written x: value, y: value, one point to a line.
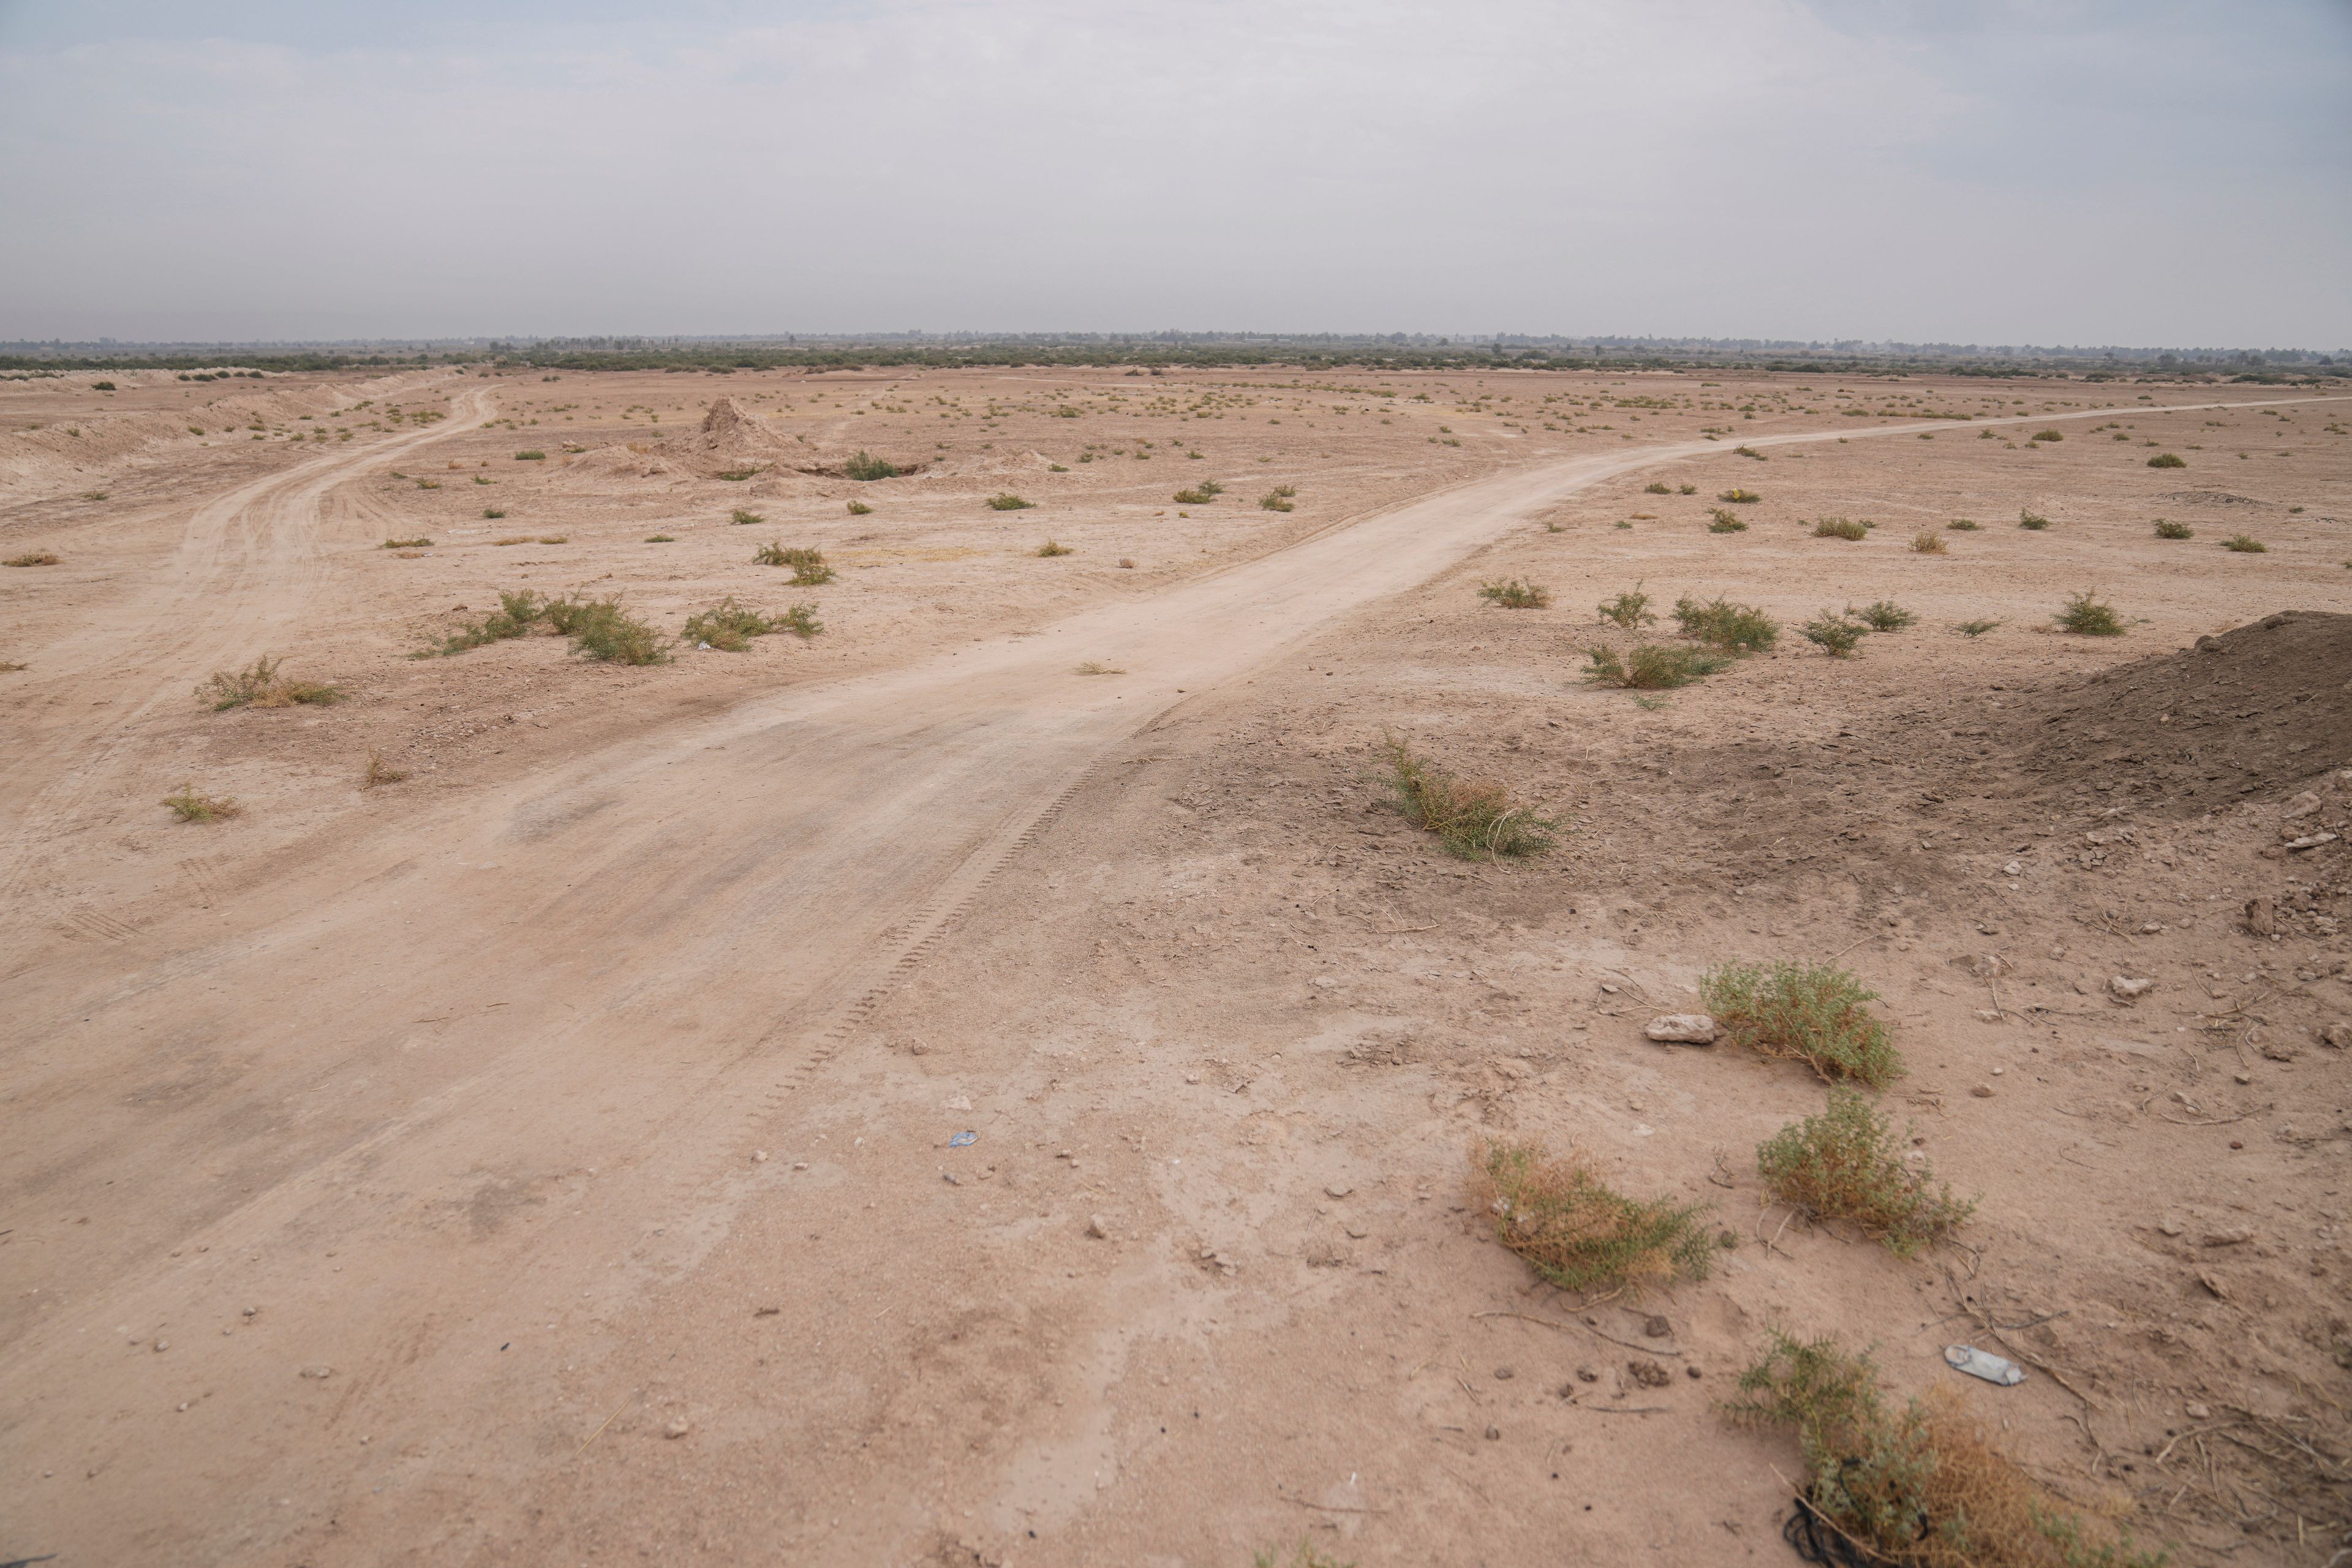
x: 1984, y: 1364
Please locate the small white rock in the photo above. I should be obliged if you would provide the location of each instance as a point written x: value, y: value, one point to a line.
x: 2303, y: 805
x: 678, y: 1428
x: 1096, y: 1227
x: 2128, y: 989
x: 1683, y: 1028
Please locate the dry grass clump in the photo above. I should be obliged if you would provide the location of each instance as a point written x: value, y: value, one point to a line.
x: 1201, y: 494
x: 2165, y: 530
x: 2047, y: 435
x: 743, y: 517
x: 2166, y: 460
x: 859, y: 509
x: 1514, y: 595
x: 1051, y: 549
x: 1722, y: 522
x: 1883, y: 615
x: 1472, y: 817
x: 809, y: 567
x: 1657, y: 487
x: 1629, y: 610
x: 259, y: 684
x: 1976, y: 629
x: 1739, y: 497
x: 1847, y: 1163
x: 1006, y: 500
x: 33, y: 558
x: 1719, y: 623
x: 1840, y: 528
x: 1279, y: 499
x: 193, y: 806
x: 2245, y: 544
x: 2032, y: 522
x: 418, y: 543
x: 1962, y: 525
x: 1834, y: 634
x: 1577, y: 1231
x: 1924, y: 1487
x: 380, y: 772
x: 515, y: 615
x: 1929, y: 543
x: 1814, y: 1012
x: 1652, y: 667
x: 2085, y: 616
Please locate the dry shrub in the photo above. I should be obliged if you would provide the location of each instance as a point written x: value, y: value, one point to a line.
x: 515, y: 615
x: 1929, y: 543
x: 1470, y: 816
x: 1924, y: 1487
x: 1577, y: 1231
x: 1812, y: 1012
x: 1514, y: 595
x: 33, y: 558
x: 380, y: 772
x: 1847, y: 1163
x: 260, y: 685
x: 192, y: 805
x: 1840, y: 528
x: 1051, y: 549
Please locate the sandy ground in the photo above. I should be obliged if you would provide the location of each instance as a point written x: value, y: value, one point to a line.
x: 547, y: 1157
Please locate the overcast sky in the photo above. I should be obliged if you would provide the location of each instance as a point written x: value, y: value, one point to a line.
x: 2138, y: 173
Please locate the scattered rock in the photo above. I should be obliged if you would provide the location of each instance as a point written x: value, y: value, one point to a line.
x: 1982, y: 1091
x: 2311, y: 841
x: 2126, y: 989
x: 2212, y: 1285
x: 1493, y: 1434
x: 2199, y: 1412
x: 1337, y: 1189
x: 1587, y: 1374
x: 319, y: 1372
x: 162, y: 1346
x: 2168, y: 1225
x: 2236, y: 1236
x: 1649, y: 1374
x: 1988, y: 966
x: 2337, y: 1037
x: 678, y: 1428
x: 1693, y: 1372
x: 1656, y: 1326
x: 759, y: 1156
x: 2303, y: 805
x: 2262, y: 917
x: 1683, y: 1028
x: 1506, y: 1373
x: 1096, y: 1228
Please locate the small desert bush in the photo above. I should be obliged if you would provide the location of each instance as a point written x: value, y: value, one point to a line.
x: 1962, y: 525
x: 1652, y: 667
x: 2245, y: 544
x: 1629, y: 610
x: 743, y: 517
x: 1976, y: 629
x: 2032, y: 521
x: 515, y: 615
x: 191, y: 805
x: 428, y: 484
x: 1514, y: 595
x: 1685, y: 489
x: 1834, y: 634
x: 2174, y: 529
x: 259, y: 684
x: 1722, y: 522
x: 2047, y: 435
x: 494, y: 513
x: 1201, y: 494
x: 1814, y: 1012
x: 859, y: 509
x: 33, y: 558
x: 530, y: 457
x: 1278, y: 499
x: 1929, y: 542
x: 1741, y: 628
x: 1883, y: 615
x: 1657, y: 487
x: 1007, y: 502
x: 380, y: 772
x: 418, y: 543
x: 1924, y: 1487
x: 1739, y: 497
x: 599, y: 629
x: 1847, y: 1163
x: 1303, y: 1555
x: 2085, y: 616
x: 1050, y: 548
x: 2166, y: 460
x: 737, y: 476
x: 1744, y: 451
x: 1578, y: 1231
x: 864, y: 466
x: 809, y: 566
x: 1840, y: 528
x: 661, y: 538
x: 728, y: 627
x: 800, y: 620
x: 1470, y: 816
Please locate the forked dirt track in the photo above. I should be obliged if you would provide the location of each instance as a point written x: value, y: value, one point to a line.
x: 621, y: 968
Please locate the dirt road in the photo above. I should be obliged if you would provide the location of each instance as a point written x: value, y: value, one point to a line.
x: 504, y: 1068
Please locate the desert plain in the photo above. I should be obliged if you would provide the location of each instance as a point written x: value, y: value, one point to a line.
x: 985, y: 1072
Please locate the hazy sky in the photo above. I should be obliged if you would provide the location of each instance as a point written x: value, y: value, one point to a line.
x: 2138, y: 173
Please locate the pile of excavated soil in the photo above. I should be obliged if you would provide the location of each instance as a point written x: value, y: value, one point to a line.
x: 2250, y: 713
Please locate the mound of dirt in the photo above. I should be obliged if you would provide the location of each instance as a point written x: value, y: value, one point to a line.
x: 2249, y: 713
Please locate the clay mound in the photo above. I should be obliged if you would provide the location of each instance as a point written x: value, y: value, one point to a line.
x: 2250, y: 713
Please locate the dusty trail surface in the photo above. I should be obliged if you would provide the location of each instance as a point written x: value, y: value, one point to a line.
x: 387, y: 1175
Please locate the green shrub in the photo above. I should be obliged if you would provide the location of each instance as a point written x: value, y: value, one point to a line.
x: 859, y: 509
x: 1977, y: 629
x: 2174, y: 529
x: 193, y: 806
x: 259, y: 684
x: 515, y: 615
x: 1514, y: 595
x: 599, y: 629
x: 1739, y: 497
x: 1201, y: 494
x: 33, y: 558
x: 1579, y: 1233
x: 2166, y: 460
x: 417, y: 544
x: 809, y: 566
x: 1812, y: 1013
x: 1278, y: 498
x: 1657, y: 487
x: 1883, y: 615
x: 1471, y: 817
x: 743, y: 517
x: 1741, y: 628
x: 1685, y: 489
x: 728, y: 627
x: 1840, y: 528
x: 864, y: 465
x: 493, y: 513
x: 2032, y: 520
x: 530, y: 457
x: 1922, y: 1489
x: 1722, y: 522
x: 1652, y: 667
x: 800, y: 621
x: 1007, y: 502
x: 737, y: 476
x: 2245, y: 544
x: 1628, y: 610
x: 661, y: 538
x: 2085, y: 616
x: 1847, y: 1163
x: 1962, y: 524
x: 1832, y: 634
x: 1051, y: 549
x: 2047, y: 435
x: 1750, y: 452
